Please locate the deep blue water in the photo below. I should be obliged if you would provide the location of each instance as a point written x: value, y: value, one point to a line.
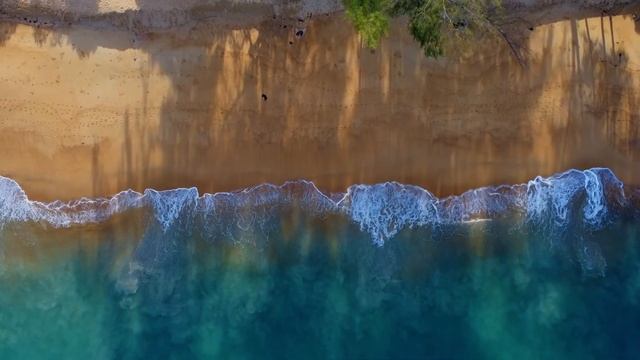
x: 544, y: 270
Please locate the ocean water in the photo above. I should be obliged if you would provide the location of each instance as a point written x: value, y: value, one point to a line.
x: 549, y: 269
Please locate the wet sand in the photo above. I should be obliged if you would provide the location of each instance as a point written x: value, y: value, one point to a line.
x: 89, y: 113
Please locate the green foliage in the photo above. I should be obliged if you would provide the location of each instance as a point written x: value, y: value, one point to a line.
x: 430, y: 21
x: 425, y: 24
x: 370, y: 18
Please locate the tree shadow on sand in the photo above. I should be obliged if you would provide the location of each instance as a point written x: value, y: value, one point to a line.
x: 260, y: 105
x: 6, y: 31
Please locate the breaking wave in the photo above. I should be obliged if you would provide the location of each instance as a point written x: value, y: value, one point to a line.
x: 588, y: 199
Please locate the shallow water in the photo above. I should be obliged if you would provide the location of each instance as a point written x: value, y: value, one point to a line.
x: 548, y: 269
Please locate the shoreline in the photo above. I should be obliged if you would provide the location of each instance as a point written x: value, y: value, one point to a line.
x: 86, y: 117
x: 383, y: 210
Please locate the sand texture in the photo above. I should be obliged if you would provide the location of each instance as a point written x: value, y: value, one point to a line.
x: 90, y: 112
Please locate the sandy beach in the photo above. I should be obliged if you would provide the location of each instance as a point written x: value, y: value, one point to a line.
x: 90, y: 112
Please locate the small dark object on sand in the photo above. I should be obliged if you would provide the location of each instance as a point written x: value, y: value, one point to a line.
x: 299, y: 33
x: 264, y: 97
x: 531, y: 29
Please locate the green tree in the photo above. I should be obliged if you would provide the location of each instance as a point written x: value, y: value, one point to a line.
x: 370, y: 18
x: 430, y: 21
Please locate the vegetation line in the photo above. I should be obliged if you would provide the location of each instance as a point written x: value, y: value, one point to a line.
x: 440, y: 24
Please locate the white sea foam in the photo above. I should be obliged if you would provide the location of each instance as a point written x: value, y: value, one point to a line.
x: 168, y: 205
x: 595, y: 207
x: 382, y: 210
x: 15, y: 206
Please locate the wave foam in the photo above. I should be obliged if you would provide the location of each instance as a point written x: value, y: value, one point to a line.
x: 588, y: 198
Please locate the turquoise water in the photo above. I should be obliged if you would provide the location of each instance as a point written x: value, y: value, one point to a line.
x: 544, y: 270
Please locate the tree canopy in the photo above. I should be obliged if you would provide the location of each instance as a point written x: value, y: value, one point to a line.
x: 429, y: 20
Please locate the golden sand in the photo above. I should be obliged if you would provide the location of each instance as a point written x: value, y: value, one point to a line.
x: 91, y: 112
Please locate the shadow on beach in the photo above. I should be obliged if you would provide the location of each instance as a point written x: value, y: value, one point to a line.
x: 261, y: 104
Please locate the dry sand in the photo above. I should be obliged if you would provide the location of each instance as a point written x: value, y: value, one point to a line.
x: 170, y: 15
x: 89, y: 113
